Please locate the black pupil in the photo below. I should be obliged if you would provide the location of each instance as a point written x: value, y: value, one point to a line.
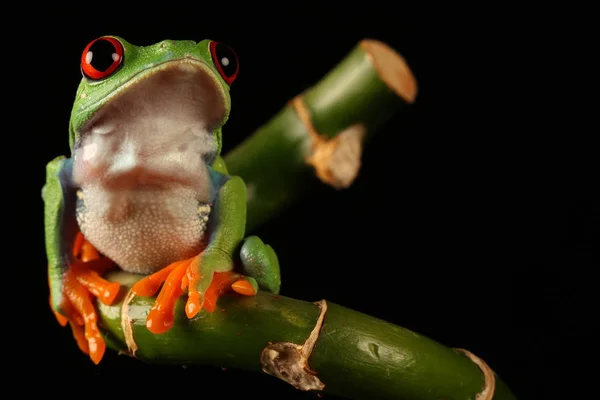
x: 226, y: 59
x: 102, y: 55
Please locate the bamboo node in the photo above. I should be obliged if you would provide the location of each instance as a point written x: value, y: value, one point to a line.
x: 487, y: 393
x: 336, y: 160
x: 289, y: 361
x: 126, y: 324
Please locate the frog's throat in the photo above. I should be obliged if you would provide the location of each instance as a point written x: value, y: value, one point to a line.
x: 93, y: 109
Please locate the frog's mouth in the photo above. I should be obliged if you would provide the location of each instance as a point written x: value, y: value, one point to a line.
x: 168, y: 87
x: 157, y: 128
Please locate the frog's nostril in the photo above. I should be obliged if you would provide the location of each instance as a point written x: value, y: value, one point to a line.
x: 165, y: 43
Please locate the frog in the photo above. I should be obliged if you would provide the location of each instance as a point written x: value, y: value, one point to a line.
x: 146, y: 190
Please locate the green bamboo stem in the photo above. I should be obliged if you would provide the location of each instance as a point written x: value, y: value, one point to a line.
x: 356, y: 356
x: 280, y: 159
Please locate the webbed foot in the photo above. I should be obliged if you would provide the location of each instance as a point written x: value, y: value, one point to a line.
x: 83, y: 282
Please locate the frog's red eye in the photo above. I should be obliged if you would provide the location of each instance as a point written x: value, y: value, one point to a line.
x: 225, y: 60
x: 101, y: 57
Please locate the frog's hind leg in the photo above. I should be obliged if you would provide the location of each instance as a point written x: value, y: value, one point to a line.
x: 260, y: 262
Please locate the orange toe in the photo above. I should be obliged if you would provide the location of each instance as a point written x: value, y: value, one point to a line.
x: 80, y: 299
x: 88, y: 252
x: 195, y: 299
x: 101, y: 288
x: 79, y: 335
x: 161, y: 316
x: 244, y: 287
x: 220, y: 284
x: 62, y: 320
x: 149, y: 285
x: 194, y: 303
x: 97, y: 346
x: 84, y: 250
x: 78, y: 244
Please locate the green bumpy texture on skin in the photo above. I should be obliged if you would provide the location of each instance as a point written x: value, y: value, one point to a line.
x: 259, y: 261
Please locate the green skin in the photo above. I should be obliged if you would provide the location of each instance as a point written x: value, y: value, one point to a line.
x: 225, y: 249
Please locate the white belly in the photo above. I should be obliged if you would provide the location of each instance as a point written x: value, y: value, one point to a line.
x: 143, y: 231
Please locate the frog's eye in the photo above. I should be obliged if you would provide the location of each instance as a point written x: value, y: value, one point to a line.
x: 225, y: 60
x: 101, y: 57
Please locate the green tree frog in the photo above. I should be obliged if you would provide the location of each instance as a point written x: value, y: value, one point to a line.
x: 146, y: 190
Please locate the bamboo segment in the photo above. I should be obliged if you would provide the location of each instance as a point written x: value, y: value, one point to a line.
x: 352, y: 355
x: 322, y: 346
x: 322, y: 131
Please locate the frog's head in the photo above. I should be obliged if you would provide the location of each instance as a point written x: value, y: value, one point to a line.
x: 180, y: 88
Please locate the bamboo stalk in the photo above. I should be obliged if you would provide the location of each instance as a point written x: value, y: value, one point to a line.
x: 322, y: 131
x: 355, y: 356
x: 322, y: 347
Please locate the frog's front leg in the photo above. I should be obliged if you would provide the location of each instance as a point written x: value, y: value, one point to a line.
x: 209, y: 274
x: 74, y: 266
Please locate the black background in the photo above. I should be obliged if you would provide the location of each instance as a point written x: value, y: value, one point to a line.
x: 471, y: 221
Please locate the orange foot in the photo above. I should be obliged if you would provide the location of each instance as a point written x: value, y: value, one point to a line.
x: 83, y: 281
x: 175, y: 280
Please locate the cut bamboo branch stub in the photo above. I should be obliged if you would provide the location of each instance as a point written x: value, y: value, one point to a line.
x: 289, y: 361
x: 336, y: 160
x: 126, y: 324
x: 392, y: 69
